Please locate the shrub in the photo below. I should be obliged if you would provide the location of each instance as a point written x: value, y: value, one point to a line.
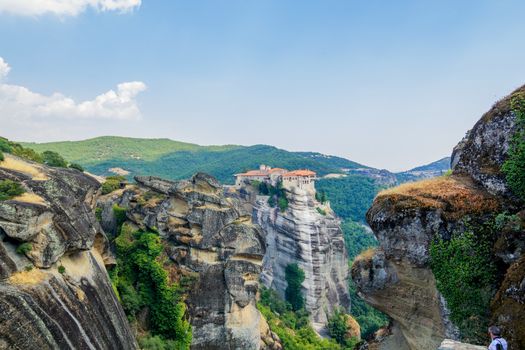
x: 76, y: 166
x: 62, y: 269
x: 294, y: 278
x: 321, y: 197
x: 507, y: 222
x: 5, y: 145
x: 514, y: 166
x: 264, y: 188
x: 24, y: 248
x: 338, y: 329
x: 465, y: 274
x: 321, y: 211
x: 157, y: 343
x: 54, y: 159
x: 98, y: 214
x: 283, y: 204
x: 112, y: 183
x: 1, y: 156
x: 26, y: 153
x: 10, y: 189
x: 120, y: 215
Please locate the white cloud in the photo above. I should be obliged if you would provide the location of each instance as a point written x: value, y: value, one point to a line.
x: 4, y: 69
x: 64, y: 7
x: 25, y: 105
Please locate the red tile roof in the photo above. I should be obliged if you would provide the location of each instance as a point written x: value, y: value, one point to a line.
x: 300, y: 173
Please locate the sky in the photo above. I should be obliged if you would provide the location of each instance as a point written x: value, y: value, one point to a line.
x: 389, y: 84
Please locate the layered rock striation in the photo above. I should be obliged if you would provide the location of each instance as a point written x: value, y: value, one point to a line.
x: 210, y: 238
x: 311, y: 238
x: 397, y: 278
x: 55, y: 294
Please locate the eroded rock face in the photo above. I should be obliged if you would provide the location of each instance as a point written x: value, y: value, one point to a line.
x: 315, y: 242
x: 41, y: 308
x: 484, y: 149
x: 213, y: 239
x: 397, y: 278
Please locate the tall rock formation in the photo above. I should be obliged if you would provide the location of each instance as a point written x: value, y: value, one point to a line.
x: 311, y: 238
x: 397, y: 278
x: 211, y: 238
x: 56, y: 294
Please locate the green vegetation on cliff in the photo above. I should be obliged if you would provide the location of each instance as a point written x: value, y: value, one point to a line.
x: 10, y: 189
x: 24, y: 248
x: 338, y: 329
x: 466, y: 275
x: 294, y: 278
x: 112, y: 183
x: 142, y: 284
x: 53, y: 159
x: 514, y: 166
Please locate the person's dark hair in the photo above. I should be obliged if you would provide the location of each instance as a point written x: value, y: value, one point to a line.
x: 495, y: 330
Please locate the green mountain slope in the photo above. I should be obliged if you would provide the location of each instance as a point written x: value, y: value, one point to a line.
x: 176, y: 160
x: 99, y: 149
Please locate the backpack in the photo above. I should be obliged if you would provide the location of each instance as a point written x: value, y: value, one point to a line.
x: 499, y: 346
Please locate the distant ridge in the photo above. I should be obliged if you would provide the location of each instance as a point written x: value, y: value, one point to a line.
x: 433, y: 169
x: 177, y: 160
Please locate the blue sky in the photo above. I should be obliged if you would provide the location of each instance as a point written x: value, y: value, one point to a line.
x: 391, y: 84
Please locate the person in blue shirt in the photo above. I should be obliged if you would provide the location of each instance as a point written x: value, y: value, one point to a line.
x: 498, y: 343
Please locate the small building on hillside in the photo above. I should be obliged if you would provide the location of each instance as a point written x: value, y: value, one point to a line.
x: 264, y: 174
x: 303, y: 179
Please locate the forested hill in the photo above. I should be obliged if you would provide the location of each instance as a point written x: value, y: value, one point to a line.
x: 176, y: 160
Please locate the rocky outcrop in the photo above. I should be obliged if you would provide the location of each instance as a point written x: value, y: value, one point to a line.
x: 212, y: 239
x: 303, y: 235
x: 397, y: 278
x: 57, y: 294
x: 482, y: 152
x: 449, y: 344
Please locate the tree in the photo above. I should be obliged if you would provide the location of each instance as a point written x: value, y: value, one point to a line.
x: 76, y: 166
x: 263, y: 188
x: 54, y: 159
x: 10, y: 189
x: 294, y: 277
x: 338, y: 328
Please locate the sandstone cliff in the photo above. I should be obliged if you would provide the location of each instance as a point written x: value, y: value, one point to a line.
x: 57, y: 294
x: 397, y: 278
x: 312, y: 239
x: 212, y: 239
